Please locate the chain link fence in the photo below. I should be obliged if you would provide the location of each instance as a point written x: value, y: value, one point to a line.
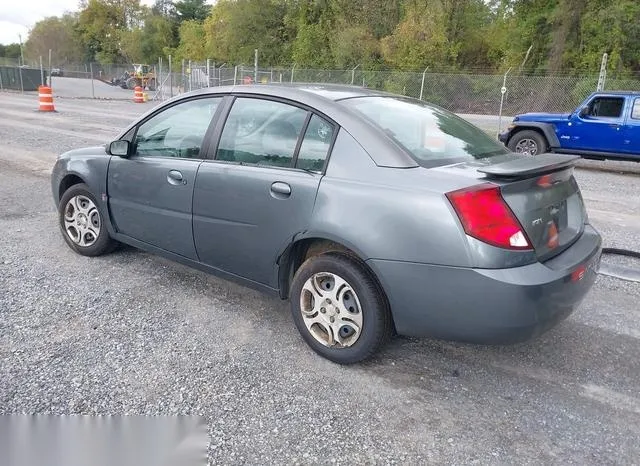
x: 466, y: 93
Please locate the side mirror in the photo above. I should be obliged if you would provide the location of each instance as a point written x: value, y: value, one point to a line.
x: 584, y: 111
x: 120, y: 148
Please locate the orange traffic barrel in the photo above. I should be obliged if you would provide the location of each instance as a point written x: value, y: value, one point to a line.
x: 137, y: 95
x: 45, y: 96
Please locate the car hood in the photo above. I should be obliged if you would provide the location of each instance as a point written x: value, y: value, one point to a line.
x: 86, y: 151
x: 542, y: 117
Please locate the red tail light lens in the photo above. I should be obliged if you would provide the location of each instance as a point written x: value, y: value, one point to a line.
x: 486, y: 216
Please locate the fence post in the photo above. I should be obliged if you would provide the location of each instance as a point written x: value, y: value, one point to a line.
x: 182, y: 83
x: 208, y: 73
x: 41, y: 72
x: 603, y: 72
x: 292, y: 69
x: 503, y: 91
x: 159, y: 83
x: 50, y: 80
x: 353, y: 73
x: 21, y: 83
x: 93, y: 92
x: 235, y: 75
x: 170, y: 79
x: 255, y: 66
x: 424, y: 73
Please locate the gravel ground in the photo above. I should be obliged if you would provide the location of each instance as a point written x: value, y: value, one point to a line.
x: 135, y: 333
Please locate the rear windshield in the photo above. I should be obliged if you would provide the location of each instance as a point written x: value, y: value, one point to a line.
x: 433, y: 136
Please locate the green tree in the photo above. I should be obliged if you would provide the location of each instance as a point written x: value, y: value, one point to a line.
x: 235, y: 28
x: 312, y: 45
x: 191, y: 10
x: 57, y: 34
x: 420, y: 39
x: 192, y: 41
x: 10, y: 50
x: 145, y: 44
x: 101, y: 25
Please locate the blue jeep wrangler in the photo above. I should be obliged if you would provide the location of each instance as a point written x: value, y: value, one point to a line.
x: 605, y: 126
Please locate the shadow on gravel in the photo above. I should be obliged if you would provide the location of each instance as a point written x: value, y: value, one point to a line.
x: 572, y: 353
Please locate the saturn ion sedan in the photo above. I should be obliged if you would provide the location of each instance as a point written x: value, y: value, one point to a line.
x: 372, y: 213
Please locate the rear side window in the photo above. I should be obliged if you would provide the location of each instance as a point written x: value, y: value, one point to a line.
x: 635, y: 113
x: 315, y: 145
x: 433, y: 136
x: 606, y: 107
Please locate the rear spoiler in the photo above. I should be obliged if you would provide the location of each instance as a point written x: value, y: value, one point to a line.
x: 527, y: 166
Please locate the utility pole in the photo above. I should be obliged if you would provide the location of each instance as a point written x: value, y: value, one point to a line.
x: 21, y: 52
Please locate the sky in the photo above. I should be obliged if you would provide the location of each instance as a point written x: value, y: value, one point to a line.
x: 17, y: 16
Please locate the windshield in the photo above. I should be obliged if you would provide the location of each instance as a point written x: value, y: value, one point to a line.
x: 432, y: 135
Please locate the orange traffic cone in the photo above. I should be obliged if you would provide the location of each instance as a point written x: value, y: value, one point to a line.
x: 137, y: 95
x: 45, y: 96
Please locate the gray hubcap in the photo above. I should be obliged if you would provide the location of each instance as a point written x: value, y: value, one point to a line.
x: 331, y: 310
x: 82, y: 220
x: 527, y: 146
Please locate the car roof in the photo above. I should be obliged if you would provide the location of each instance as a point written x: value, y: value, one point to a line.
x: 605, y: 92
x: 333, y: 92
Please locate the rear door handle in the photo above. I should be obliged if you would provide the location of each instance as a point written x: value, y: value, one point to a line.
x: 281, y: 189
x: 175, y: 177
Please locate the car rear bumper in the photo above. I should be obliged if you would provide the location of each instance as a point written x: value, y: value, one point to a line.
x: 489, y: 306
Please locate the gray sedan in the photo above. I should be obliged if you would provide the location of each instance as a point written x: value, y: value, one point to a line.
x: 371, y: 212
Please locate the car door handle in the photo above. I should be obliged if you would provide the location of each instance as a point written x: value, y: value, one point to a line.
x: 175, y: 177
x: 281, y: 189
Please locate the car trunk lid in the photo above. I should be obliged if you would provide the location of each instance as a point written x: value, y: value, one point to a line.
x: 541, y: 192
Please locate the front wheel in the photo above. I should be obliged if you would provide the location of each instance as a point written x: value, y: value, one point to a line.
x: 339, y: 309
x: 528, y: 142
x: 82, y: 224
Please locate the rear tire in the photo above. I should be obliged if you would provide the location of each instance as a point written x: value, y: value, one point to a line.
x: 82, y: 224
x: 339, y: 308
x: 528, y: 142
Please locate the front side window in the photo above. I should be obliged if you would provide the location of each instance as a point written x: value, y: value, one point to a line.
x: 261, y: 132
x: 433, y: 136
x: 315, y: 145
x: 177, y: 131
x: 606, y: 107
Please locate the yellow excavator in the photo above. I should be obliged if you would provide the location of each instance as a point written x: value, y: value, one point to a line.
x: 142, y: 75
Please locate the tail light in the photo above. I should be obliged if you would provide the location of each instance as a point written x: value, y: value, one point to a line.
x: 486, y: 216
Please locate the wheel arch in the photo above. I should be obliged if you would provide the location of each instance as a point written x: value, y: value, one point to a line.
x: 302, y: 248
x: 546, y: 130
x: 70, y: 179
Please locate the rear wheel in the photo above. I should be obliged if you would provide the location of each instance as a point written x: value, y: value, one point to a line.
x: 132, y: 83
x: 528, y: 142
x: 339, y: 308
x: 82, y: 224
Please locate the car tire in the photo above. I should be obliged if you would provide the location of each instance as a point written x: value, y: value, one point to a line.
x: 528, y: 142
x: 356, y: 322
x: 82, y: 223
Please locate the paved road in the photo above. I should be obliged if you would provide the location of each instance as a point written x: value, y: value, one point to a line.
x: 134, y: 333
